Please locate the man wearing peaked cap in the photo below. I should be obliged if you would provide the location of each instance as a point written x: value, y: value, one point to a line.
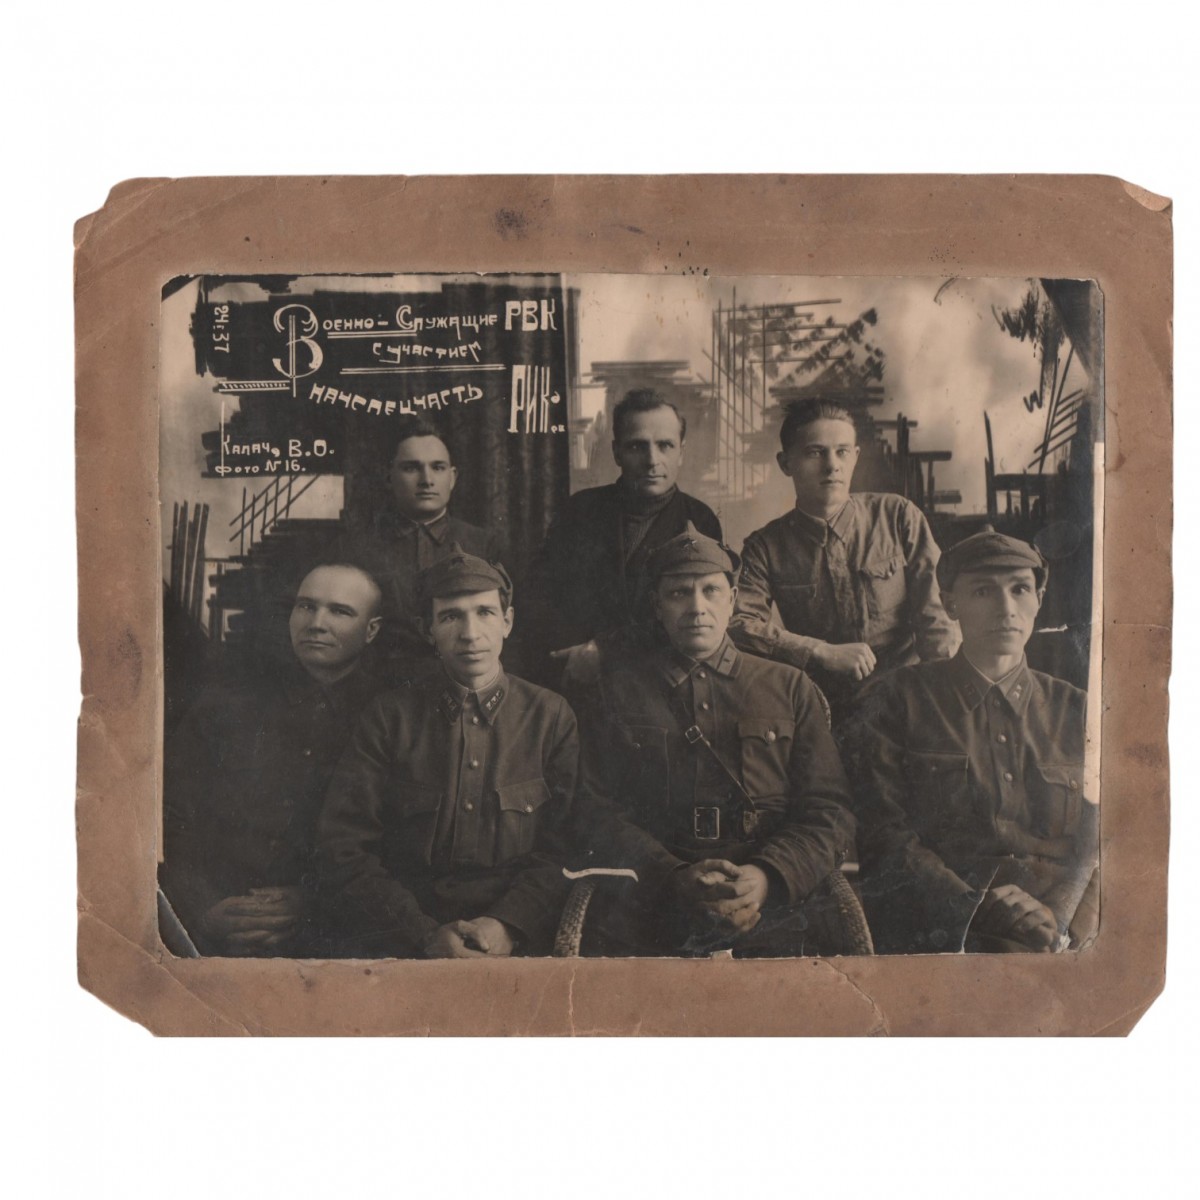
x: 975, y: 832
x: 713, y: 775
x: 445, y: 825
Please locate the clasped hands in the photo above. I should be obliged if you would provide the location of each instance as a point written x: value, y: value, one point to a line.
x: 484, y: 937
x: 730, y: 895
x: 262, y: 921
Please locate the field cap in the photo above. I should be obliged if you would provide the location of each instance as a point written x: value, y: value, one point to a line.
x: 691, y: 553
x: 989, y: 550
x: 458, y: 572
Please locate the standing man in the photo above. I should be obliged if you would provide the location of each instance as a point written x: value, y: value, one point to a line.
x: 852, y: 576
x: 589, y: 580
x: 408, y: 535
x: 245, y: 773
x: 713, y: 775
x: 443, y: 830
x: 974, y: 829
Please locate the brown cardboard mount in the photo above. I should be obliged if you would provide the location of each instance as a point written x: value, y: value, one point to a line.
x: 151, y: 230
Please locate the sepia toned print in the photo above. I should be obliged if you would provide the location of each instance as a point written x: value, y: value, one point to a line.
x: 623, y: 615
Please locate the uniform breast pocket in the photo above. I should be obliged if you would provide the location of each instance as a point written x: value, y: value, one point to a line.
x: 519, y: 815
x: 1056, y: 795
x: 766, y: 749
x: 939, y: 791
x: 414, y: 818
x: 646, y: 770
x: 883, y: 579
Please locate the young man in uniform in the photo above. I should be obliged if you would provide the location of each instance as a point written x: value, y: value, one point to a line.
x: 713, y: 775
x: 245, y: 773
x: 444, y: 826
x: 974, y: 830
x: 407, y: 536
x: 851, y: 574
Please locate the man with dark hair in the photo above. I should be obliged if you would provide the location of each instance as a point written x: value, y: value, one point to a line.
x: 444, y: 828
x: 410, y: 533
x: 850, y: 575
x: 245, y: 773
x: 589, y: 581
x: 713, y: 775
x: 975, y: 831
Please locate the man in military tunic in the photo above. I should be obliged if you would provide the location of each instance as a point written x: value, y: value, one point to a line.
x: 245, y: 773
x: 974, y: 830
x: 851, y: 575
x: 444, y: 825
x: 409, y: 534
x: 713, y: 775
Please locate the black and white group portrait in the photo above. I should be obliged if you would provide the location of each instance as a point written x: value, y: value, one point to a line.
x: 630, y: 615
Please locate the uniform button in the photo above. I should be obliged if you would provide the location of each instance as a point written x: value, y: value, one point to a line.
x: 529, y: 808
x: 469, y: 806
x: 307, y: 752
x: 474, y: 720
x: 473, y: 763
x: 701, y: 674
x: 1001, y: 738
x: 1008, y: 776
x: 770, y: 735
x: 704, y: 704
x: 995, y: 702
x: 1074, y: 785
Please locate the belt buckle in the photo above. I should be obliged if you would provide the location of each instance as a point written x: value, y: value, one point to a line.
x: 706, y: 824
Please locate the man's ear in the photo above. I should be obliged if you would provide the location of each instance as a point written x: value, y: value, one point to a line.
x: 373, y: 627
x: 453, y: 478
x: 508, y: 620
x: 616, y: 459
x: 782, y: 459
x: 426, y: 627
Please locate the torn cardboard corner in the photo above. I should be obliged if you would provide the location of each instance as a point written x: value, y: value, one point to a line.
x: 153, y: 231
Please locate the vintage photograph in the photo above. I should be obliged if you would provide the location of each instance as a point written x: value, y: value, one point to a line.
x: 630, y: 615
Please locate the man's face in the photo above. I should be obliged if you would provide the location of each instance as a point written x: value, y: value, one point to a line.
x: 821, y: 462
x: 695, y: 610
x: 334, y: 618
x: 468, y: 632
x: 422, y: 477
x: 649, y: 451
x: 995, y: 609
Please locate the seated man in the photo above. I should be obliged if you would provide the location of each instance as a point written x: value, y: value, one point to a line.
x: 409, y: 534
x: 851, y: 574
x: 441, y: 830
x: 974, y: 830
x: 713, y: 775
x: 245, y: 773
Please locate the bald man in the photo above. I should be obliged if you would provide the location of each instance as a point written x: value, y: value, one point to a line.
x: 246, y: 770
